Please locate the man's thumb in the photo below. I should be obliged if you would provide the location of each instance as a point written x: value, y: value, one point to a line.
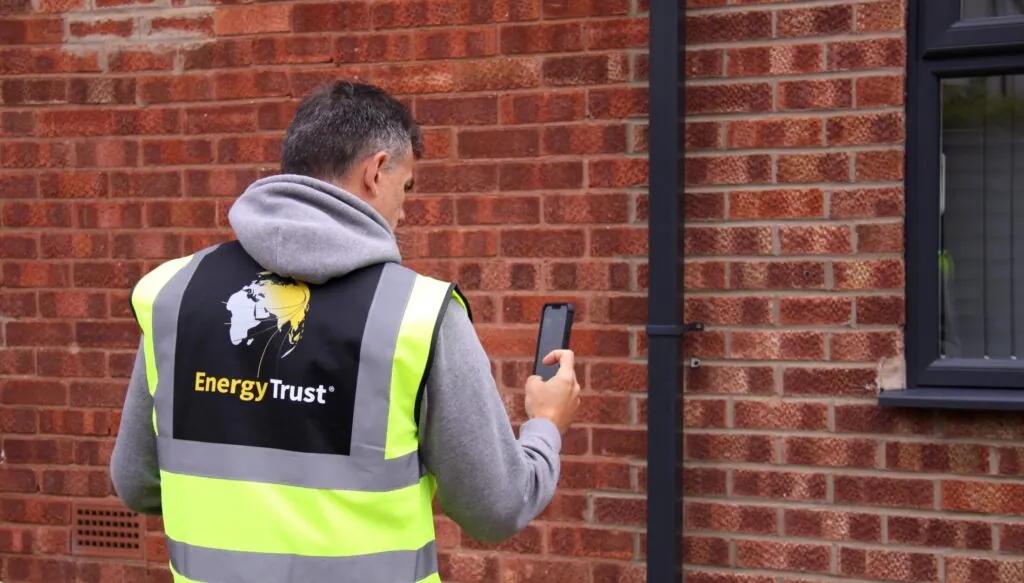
x: 567, y: 365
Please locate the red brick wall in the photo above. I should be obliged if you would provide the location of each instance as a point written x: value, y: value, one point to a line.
x: 795, y: 247
x: 127, y: 129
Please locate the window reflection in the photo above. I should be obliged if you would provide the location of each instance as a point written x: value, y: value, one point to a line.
x: 989, y: 8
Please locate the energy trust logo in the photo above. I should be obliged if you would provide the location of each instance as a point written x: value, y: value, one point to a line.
x: 254, y: 391
x: 269, y: 306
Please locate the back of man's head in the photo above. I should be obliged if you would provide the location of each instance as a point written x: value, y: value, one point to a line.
x: 341, y: 124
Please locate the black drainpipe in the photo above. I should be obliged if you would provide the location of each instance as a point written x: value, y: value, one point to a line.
x: 664, y: 326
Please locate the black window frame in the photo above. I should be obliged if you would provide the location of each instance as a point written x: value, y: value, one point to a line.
x: 940, y: 45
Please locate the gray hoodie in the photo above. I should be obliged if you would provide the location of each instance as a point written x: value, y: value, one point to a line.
x: 489, y: 482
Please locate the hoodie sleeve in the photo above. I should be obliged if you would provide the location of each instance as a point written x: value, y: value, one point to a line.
x: 491, y: 484
x: 134, y: 468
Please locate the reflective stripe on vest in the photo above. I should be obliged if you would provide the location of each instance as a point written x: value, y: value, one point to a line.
x: 261, y: 515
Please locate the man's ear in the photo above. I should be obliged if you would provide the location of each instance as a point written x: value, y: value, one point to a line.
x: 372, y: 172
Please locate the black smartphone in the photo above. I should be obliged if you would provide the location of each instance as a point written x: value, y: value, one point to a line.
x: 555, y: 328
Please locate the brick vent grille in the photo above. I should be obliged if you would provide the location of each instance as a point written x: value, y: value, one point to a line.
x: 107, y: 531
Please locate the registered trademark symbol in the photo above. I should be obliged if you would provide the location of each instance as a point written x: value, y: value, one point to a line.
x: 330, y: 389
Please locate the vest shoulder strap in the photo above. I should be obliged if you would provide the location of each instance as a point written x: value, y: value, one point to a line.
x: 144, y: 292
x: 461, y: 298
x: 453, y: 292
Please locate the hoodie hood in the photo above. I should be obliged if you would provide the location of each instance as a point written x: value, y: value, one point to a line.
x: 310, y: 230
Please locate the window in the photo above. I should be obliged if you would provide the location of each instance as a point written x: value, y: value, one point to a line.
x: 981, y: 217
x: 965, y: 205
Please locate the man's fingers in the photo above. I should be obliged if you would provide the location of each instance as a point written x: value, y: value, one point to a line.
x: 565, y: 359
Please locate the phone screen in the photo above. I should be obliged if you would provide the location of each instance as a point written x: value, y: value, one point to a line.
x: 554, y: 335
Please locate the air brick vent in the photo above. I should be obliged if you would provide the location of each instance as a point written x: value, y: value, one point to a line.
x: 106, y: 531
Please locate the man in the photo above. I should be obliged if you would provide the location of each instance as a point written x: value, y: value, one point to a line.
x: 298, y: 395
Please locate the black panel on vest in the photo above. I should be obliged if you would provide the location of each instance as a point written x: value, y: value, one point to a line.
x: 265, y: 362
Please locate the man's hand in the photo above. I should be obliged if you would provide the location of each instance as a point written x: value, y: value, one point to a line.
x: 558, y: 398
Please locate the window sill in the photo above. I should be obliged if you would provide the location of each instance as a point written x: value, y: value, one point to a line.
x: 958, y: 398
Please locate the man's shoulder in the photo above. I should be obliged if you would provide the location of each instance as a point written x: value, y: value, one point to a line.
x: 421, y: 270
x: 455, y: 330
x: 153, y: 280
x: 455, y: 294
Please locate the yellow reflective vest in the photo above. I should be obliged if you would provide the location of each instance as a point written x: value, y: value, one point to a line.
x: 286, y: 417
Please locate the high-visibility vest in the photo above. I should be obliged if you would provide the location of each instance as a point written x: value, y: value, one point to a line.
x: 286, y: 419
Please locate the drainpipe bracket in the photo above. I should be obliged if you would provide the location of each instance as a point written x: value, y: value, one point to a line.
x: 674, y: 330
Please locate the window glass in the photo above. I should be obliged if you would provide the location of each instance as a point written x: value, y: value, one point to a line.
x: 982, y: 217
x: 989, y: 8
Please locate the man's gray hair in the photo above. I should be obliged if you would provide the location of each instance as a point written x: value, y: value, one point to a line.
x: 340, y: 124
